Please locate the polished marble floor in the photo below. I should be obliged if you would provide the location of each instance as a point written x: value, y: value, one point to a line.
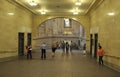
x: 62, y: 65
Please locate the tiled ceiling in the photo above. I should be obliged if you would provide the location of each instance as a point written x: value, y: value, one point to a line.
x: 59, y: 7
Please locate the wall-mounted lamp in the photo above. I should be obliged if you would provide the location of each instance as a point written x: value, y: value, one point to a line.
x: 111, y: 14
x: 11, y: 14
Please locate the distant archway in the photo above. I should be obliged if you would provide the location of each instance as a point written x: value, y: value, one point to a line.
x: 62, y: 29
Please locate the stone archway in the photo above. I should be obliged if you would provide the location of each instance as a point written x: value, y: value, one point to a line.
x: 54, y: 30
x: 38, y: 20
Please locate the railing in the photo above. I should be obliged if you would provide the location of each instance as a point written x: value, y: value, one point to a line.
x: 57, y: 36
x: 117, y: 57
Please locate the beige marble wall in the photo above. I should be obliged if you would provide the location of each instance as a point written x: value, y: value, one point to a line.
x: 19, y: 20
x: 108, y: 29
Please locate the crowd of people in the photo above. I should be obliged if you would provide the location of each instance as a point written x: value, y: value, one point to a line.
x: 66, y: 48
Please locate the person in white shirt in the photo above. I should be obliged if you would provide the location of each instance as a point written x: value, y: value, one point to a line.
x: 43, y: 50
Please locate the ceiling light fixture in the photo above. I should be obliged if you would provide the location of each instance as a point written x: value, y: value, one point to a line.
x: 43, y: 12
x: 11, y: 14
x: 32, y: 3
x: 75, y: 12
x: 78, y: 3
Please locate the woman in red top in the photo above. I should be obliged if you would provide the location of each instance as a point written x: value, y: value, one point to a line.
x: 100, y: 54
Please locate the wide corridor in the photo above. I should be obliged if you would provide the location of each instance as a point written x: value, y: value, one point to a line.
x: 62, y: 65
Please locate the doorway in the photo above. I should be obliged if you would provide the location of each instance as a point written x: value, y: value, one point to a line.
x: 91, y: 43
x: 20, y: 44
x: 29, y: 39
x: 95, y: 46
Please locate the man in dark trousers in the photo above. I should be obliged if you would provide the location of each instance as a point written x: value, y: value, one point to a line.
x: 67, y: 47
x: 54, y: 47
x: 43, y: 49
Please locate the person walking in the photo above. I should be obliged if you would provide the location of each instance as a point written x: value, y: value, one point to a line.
x: 54, y: 47
x: 63, y: 46
x: 100, y: 53
x: 29, y: 52
x: 84, y: 49
x: 43, y: 51
x: 67, y: 47
x: 71, y: 46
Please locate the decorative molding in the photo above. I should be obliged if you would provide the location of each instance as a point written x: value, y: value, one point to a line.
x: 8, y: 51
x: 116, y: 57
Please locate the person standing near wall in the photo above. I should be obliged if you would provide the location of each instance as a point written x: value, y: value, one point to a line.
x: 100, y: 53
